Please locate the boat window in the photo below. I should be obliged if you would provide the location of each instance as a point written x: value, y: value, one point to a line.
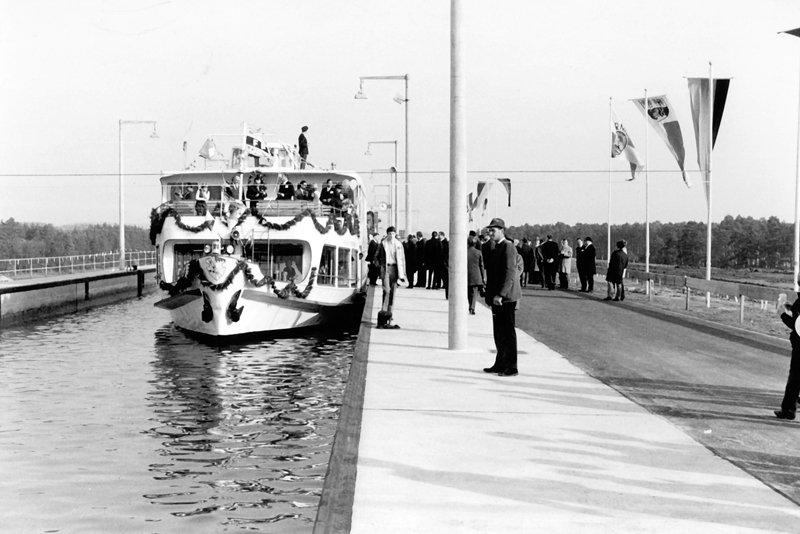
x: 280, y: 261
x: 184, y: 253
x: 326, y: 266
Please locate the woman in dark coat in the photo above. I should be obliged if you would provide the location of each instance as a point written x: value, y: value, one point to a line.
x: 616, y: 271
x: 476, y: 273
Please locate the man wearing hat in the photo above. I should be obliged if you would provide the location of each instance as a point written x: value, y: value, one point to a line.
x: 302, y: 147
x: 502, y: 293
x: 392, y: 261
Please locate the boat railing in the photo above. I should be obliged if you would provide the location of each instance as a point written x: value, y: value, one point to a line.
x: 264, y: 208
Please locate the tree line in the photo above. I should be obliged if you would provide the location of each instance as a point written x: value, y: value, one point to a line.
x: 34, y: 240
x: 736, y: 242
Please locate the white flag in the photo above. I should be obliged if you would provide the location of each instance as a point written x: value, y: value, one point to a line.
x: 208, y: 150
x: 621, y: 144
x: 661, y: 116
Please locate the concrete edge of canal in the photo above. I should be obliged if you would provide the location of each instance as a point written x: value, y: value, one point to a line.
x: 335, y: 510
x: 48, y: 297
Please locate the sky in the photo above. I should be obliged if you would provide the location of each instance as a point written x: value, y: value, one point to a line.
x: 539, y: 79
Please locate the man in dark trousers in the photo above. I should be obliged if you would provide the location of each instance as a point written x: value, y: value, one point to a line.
x: 433, y: 259
x: 616, y: 272
x: 410, y: 248
x: 373, y: 269
x: 589, y: 269
x: 302, y: 146
x: 421, y: 275
x: 550, y: 252
x: 579, y: 248
x: 789, y: 316
x: 502, y: 294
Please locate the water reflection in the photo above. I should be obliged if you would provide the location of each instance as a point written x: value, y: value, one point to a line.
x: 245, y: 431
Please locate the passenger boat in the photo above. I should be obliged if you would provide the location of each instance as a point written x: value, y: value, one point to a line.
x: 245, y: 261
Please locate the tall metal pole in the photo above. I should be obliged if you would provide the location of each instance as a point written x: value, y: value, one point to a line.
x: 646, y: 194
x: 797, y: 210
x: 408, y: 194
x: 457, y: 303
x: 608, y: 233
x: 122, y: 265
x: 708, y: 176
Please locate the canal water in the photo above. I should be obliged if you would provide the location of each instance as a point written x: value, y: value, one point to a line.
x: 114, y: 421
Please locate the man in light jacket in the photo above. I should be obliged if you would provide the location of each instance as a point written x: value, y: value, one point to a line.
x: 392, y: 261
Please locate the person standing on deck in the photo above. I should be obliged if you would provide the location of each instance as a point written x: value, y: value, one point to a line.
x: 302, y: 147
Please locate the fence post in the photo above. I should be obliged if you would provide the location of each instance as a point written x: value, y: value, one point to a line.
x: 741, y: 308
x: 688, y: 292
x: 650, y: 290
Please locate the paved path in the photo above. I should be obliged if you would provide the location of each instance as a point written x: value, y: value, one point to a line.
x: 447, y: 448
x: 718, y: 384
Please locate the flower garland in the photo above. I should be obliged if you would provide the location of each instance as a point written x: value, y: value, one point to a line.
x: 350, y: 223
x: 195, y: 271
x: 157, y: 223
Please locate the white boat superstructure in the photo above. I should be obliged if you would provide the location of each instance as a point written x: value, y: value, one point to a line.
x: 244, y: 248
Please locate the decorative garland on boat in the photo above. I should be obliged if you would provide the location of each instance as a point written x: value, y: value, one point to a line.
x: 350, y: 223
x: 195, y: 271
x: 157, y: 223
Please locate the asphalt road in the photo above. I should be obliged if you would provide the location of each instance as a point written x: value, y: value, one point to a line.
x: 718, y: 386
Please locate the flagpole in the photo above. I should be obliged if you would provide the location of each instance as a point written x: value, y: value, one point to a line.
x: 646, y: 192
x: 797, y: 210
x: 610, y: 157
x: 708, y: 176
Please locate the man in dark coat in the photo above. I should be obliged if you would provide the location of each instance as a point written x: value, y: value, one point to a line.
x: 421, y: 274
x: 579, y: 248
x: 527, y: 259
x: 589, y: 269
x: 789, y: 315
x: 550, y: 253
x: 302, y: 146
x: 444, y: 266
x: 487, y: 246
x: 373, y: 269
x: 410, y: 247
x: 616, y: 272
x: 476, y: 274
x: 433, y: 260
x: 502, y: 294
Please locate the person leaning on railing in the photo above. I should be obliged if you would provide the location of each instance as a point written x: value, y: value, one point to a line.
x: 201, y: 198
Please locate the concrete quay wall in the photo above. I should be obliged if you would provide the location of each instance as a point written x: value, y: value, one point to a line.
x: 35, y: 299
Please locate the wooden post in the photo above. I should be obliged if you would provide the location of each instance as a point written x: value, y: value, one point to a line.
x: 688, y: 294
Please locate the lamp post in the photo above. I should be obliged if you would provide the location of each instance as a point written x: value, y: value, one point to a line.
x: 154, y: 135
x: 392, y: 178
x: 361, y: 96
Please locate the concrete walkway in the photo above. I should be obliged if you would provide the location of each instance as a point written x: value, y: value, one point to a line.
x: 445, y: 447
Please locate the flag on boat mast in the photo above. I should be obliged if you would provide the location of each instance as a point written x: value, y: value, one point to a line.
x: 661, y: 116
x: 621, y: 144
x: 705, y: 115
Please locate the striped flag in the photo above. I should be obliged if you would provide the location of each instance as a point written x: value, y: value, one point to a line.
x: 662, y: 117
x: 507, y: 184
x: 621, y: 144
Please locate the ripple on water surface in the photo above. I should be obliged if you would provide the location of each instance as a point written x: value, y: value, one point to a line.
x: 118, y: 422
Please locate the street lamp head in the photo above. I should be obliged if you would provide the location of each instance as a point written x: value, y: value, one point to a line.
x: 367, y: 153
x: 399, y: 99
x: 360, y: 95
x: 154, y: 135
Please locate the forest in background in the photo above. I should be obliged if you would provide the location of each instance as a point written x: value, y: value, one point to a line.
x: 34, y: 240
x: 736, y: 242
